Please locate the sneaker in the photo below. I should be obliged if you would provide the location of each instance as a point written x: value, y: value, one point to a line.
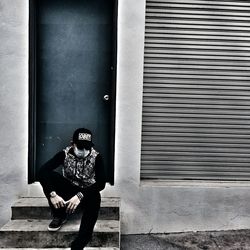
x: 56, y: 224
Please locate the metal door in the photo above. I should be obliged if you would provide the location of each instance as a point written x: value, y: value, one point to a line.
x: 74, y: 78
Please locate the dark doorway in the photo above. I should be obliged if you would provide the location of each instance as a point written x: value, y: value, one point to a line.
x: 72, y: 77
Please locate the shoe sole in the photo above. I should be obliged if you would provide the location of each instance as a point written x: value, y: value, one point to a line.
x: 51, y: 229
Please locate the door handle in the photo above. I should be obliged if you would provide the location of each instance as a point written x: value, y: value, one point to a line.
x: 106, y: 98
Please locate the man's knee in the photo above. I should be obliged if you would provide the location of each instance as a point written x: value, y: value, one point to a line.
x: 95, y: 198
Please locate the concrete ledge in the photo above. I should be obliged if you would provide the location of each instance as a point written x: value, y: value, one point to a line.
x: 37, y: 208
x: 195, y: 183
x: 30, y: 233
x: 71, y: 226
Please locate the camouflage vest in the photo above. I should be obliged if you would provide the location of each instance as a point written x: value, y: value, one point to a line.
x: 80, y: 171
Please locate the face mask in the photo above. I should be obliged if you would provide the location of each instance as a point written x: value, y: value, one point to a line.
x: 80, y: 152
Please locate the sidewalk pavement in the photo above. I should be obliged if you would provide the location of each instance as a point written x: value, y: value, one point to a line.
x: 224, y: 240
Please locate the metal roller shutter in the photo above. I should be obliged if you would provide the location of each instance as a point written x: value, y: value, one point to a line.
x: 196, y: 100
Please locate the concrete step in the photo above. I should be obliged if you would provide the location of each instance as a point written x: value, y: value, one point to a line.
x: 33, y: 233
x: 86, y: 248
x: 37, y: 208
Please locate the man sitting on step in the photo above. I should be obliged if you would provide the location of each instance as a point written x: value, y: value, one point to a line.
x: 79, y: 185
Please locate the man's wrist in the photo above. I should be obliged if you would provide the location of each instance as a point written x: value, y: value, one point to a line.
x: 53, y: 194
x: 80, y: 195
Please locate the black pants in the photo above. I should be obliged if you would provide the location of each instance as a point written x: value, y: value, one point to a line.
x: 90, y: 205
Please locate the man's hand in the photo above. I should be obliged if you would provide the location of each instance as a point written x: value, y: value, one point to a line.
x: 57, y: 201
x: 72, y: 204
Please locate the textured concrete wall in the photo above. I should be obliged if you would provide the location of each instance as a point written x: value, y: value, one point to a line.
x: 13, y: 102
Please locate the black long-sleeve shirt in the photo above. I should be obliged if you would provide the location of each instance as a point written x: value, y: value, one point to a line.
x: 57, y: 160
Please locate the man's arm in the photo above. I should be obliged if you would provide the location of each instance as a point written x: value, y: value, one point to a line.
x: 46, y: 170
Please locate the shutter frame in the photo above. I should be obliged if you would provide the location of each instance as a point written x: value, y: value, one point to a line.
x: 196, y: 91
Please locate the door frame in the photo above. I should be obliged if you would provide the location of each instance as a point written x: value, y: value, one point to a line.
x: 32, y: 123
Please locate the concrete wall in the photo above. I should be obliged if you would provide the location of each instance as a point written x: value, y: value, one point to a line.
x: 168, y: 206
x: 146, y: 207
x: 13, y: 102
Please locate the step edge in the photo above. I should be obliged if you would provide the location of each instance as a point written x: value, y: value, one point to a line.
x: 10, y: 226
x: 86, y: 248
x: 22, y: 202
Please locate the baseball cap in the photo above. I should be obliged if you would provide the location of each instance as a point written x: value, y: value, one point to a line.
x: 82, y: 137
